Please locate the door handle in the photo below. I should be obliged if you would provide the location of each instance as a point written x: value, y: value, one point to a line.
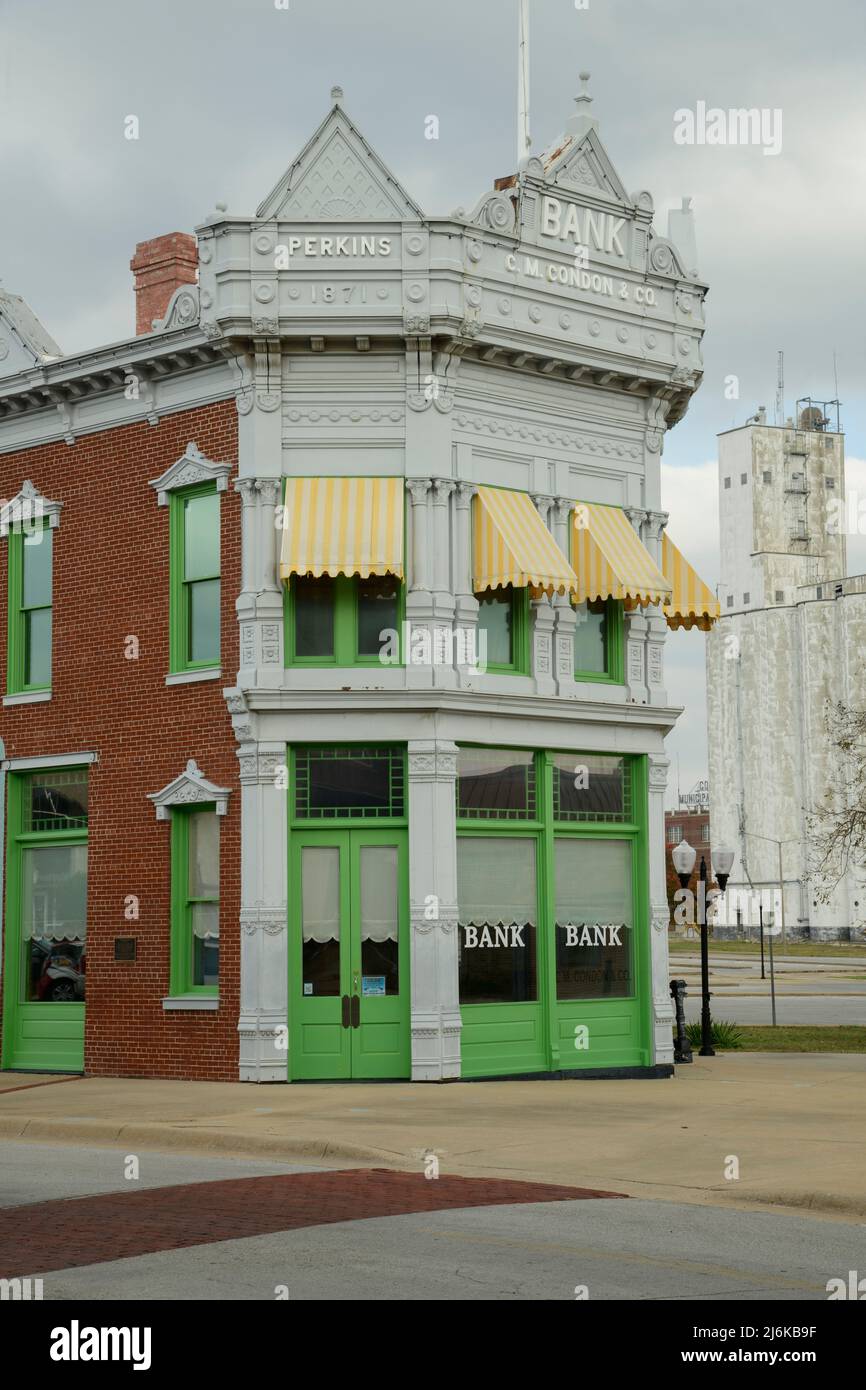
x: 346, y: 1019
x: 356, y: 1011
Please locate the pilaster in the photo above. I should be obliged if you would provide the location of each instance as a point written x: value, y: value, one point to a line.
x: 264, y: 982
x: 433, y: 906
x: 465, y: 602
x: 259, y: 605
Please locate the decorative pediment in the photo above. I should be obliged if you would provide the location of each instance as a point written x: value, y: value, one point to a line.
x: 182, y: 311
x: 664, y: 258
x: 582, y: 165
x: 339, y: 177
x: 191, y: 788
x: 192, y: 467
x: 24, y: 342
x: 30, y: 506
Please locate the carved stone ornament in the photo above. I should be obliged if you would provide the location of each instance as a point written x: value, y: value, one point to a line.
x: 20, y: 512
x: 191, y: 788
x: 192, y: 467
x: 495, y: 212
x: 182, y: 311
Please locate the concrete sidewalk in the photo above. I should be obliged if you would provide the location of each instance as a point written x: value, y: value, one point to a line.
x: 796, y: 1126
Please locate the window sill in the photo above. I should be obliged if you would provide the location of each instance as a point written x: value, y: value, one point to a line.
x: 27, y: 697
x: 207, y: 673
x: 191, y: 1002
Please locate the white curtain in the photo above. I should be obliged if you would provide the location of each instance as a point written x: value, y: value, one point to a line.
x: 379, y: 892
x: 54, y: 893
x: 206, y: 921
x: 496, y: 884
x: 320, y: 893
x: 593, y: 882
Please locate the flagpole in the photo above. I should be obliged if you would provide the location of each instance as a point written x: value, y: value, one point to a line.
x: 524, y: 139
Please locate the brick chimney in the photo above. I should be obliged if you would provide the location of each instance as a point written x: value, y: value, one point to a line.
x: 160, y: 266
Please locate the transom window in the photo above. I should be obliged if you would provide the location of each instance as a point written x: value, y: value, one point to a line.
x: 349, y: 782
x: 495, y: 784
x: 591, y: 787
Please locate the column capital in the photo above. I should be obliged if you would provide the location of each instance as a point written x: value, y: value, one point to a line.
x: 269, y: 488
x: 563, y: 507
x: 246, y: 487
x: 658, y: 766
x: 442, y: 490
x: 636, y: 516
x: 418, y: 489
x: 543, y: 502
x: 432, y: 760
x: 465, y: 493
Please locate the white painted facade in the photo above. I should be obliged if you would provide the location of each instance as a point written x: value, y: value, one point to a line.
x: 361, y: 337
x: 789, y: 641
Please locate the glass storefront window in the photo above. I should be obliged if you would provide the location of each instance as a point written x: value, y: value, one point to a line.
x: 497, y: 915
x: 591, y: 787
x: 54, y: 922
x: 495, y: 784
x: 593, y: 918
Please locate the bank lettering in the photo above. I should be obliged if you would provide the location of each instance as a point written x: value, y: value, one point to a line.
x: 582, y: 226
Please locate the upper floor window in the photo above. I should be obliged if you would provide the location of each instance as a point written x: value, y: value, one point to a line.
x: 503, y: 629
x: 30, y: 609
x: 195, y: 578
x: 343, y: 620
x: 598, y: 640
x: 675, y: 834
x: 195, y: 860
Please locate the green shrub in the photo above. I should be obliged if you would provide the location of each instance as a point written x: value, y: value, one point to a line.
x: 725, y: 1035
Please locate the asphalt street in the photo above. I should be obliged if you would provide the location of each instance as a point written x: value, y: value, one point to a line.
x: 556, y: 1249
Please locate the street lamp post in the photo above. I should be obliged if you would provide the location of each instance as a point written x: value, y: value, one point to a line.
x: 684, y: 862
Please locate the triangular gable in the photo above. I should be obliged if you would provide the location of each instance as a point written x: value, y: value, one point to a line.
x: 339, y: 177
x: 24, y: 343
x: 582, y: 165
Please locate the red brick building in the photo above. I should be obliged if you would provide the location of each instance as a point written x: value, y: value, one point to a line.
x: 99, y: 713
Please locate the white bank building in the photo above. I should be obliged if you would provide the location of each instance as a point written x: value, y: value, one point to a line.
x: 451, y: 704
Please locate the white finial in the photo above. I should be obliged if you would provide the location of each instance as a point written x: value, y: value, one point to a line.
x: 222, y: 207
x: 336, y: 94
x: 584, y: 99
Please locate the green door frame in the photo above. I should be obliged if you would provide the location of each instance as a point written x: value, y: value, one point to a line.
x: 37, y: 1036
x: 376, y: 1043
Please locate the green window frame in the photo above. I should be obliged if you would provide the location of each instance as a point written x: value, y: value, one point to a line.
x: 29, y: 615
x: 613, y: 673
x: 345, y: 618
x: 520, y: 623
x: 195, y: 584
x: 184, y: 949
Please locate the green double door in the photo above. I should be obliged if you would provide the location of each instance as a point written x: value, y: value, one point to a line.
x: 349, y: 955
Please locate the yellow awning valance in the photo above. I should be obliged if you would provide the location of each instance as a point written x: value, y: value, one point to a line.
x: 693, y: 604
x: 512, y: 545
x: 343, y: 526
x: 610, y: 560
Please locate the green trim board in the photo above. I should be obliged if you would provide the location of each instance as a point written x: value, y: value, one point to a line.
x: 41, y: 1034
x: 29, y: 609
x: 555, y: 1034
x: 182, y: 967
x: 194, y: 583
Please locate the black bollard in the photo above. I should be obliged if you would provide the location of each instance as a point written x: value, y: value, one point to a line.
x: 682, y: 1046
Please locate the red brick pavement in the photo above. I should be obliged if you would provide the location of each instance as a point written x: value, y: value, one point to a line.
x: 91, y: 1230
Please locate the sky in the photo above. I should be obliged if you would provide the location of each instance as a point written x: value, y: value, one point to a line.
x: 226, y: 93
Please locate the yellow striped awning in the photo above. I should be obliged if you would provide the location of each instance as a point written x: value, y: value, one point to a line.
x: 610, y: 560
x: 342, y: 526
x: 693, y: 604
x: 512, y: 545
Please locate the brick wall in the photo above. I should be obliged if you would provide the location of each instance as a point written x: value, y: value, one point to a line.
x: 110, y: 581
